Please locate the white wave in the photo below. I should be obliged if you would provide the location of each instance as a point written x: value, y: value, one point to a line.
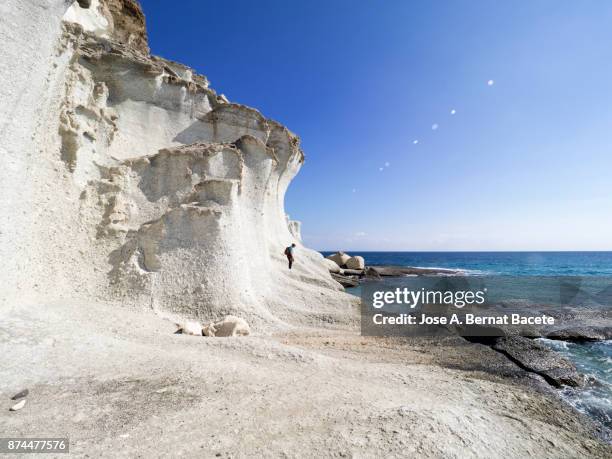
x: 461, y: 271
x: 556, y: 344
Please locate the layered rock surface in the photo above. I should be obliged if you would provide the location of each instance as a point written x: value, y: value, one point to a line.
x: 134, y: 182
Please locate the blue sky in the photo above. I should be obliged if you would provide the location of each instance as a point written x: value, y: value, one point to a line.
x: 523, y: 164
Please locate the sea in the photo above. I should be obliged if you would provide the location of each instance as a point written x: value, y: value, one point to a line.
x: 593, y: 359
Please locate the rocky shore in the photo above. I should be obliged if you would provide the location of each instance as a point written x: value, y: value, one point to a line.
x: 518, y: 344
x: 349, y: 271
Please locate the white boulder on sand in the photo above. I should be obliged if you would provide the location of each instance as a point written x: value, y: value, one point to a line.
x: 340, y: 258
x: 230, y: 326
x: 191, y: 328
x: 356, y: 262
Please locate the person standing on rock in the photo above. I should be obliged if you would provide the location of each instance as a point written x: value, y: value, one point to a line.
x: 289, y: 254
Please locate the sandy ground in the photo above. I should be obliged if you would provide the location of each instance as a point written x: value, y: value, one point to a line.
x: 127, y: 386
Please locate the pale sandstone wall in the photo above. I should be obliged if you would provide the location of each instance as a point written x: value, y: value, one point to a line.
x: 150, y: 190
x: 29, y: 33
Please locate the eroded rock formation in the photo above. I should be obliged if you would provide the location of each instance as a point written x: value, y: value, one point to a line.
x: 147, y: 188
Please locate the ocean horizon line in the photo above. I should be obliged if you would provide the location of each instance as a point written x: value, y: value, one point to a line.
x: 466, y: 251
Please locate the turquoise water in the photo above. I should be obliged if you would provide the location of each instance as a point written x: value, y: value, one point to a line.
x: 595, y: 361
x: 592, y: 270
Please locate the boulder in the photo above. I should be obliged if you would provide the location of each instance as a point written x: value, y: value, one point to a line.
x: 371, y: 273
x: 190, y: 328
x: 356, y: 262
x: 332, y: 266
x: 537, y: 358
x: 340, y: 258
x: 230, y: 326
x: 345, y: 281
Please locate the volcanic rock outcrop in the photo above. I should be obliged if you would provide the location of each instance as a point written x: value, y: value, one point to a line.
x: 127, y: 179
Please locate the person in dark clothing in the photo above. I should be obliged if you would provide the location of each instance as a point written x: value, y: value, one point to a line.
x: 289, y: 254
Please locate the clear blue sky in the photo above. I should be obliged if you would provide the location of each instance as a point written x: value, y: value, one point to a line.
x: 524, y: 164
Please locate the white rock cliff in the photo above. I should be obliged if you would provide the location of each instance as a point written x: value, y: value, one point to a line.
x: 126, y: 179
